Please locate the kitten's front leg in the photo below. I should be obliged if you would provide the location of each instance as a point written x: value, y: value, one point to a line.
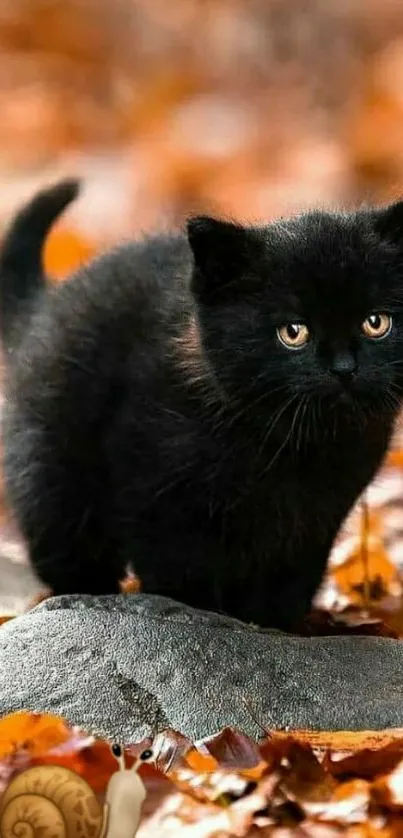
x: 296, y: 586
x: 280, y: 598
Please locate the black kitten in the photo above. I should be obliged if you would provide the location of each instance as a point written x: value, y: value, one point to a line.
x: 205, y: 407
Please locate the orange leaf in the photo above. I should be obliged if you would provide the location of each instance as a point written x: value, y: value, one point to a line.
x: 199, y: 762
x: 130, y: 585
x: 395, y: 459
x: 31, y: 732
x: 65, y: 251
x: 383, y: 578
x: 338, y: 740
x: 4, y: 618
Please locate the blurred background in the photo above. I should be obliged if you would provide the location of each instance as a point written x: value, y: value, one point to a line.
x: 248, y: 108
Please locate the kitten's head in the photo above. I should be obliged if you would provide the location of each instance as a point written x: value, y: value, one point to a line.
x: 309, y: 308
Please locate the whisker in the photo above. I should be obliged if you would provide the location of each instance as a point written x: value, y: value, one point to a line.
x: 273, y: 424
x: 246, y: 409
x: 301, y: 424
x: 284, y: 443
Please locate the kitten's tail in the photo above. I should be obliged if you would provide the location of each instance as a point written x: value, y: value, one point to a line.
x: 22, y: 275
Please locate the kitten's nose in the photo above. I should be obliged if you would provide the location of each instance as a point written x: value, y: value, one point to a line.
x: 343, y: 366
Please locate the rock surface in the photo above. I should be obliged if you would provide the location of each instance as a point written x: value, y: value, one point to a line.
x: 125, y: 667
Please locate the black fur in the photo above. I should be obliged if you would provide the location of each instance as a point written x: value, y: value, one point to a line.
x: 22, y: 275
x: 155, y: 419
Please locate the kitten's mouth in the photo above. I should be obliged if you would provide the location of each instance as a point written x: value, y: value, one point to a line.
x: 345, y: 397
x: 352, y: 397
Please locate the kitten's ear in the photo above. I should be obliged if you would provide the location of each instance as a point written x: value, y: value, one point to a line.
x: 223, y: 253
x: 389, y: 222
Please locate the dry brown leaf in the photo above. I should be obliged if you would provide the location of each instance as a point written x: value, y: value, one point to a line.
x: 348, y: 804
x: 130, y: 585
x: 347, y: 741
x: 4, y: 618
x: 350, y: 621
x: 232, y: 749
x: 392, y: 617
x: 388, y: 790
x: 366, y: 762
x: 304, y: 777
x: 220, y: 787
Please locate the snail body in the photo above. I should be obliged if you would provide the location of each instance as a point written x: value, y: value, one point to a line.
x: 124, y: 797
x: 123, y: 800
x: 49, y: 800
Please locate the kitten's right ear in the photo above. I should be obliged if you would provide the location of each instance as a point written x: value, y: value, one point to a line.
x: 222, y: 252
x: 389, y: 222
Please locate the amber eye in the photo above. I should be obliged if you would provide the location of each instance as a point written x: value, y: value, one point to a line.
x: 377, y: 325
x: 293, y: 335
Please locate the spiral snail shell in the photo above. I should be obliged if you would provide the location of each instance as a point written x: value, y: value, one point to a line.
x: 51, y: 802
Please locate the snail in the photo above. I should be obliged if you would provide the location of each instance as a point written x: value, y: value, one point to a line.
x: 124, y: 797
x: 51, y: 801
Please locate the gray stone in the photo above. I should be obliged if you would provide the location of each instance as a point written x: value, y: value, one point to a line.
x: 126, y: 667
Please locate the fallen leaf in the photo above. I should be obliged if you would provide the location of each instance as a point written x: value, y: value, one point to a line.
x: 130, y: 585
x: 350, y: 621
x: 383, y: 578
x: 232, y: 749
x: 349, y: 741
x: 366, y: 762
x: 34, y: 734
x: 388, y: 791
x: 4, y: 618
x: 348, y: 804
x: 304, y: 777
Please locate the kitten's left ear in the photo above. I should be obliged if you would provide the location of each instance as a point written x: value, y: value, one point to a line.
x: 223, y: 256
x: 389, y: 222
